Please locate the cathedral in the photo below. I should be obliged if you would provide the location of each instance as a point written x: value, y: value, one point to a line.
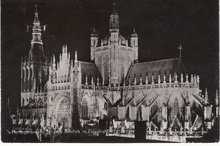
x: 114, y: 86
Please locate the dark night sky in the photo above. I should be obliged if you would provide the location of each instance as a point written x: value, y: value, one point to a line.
x: 161, y: 26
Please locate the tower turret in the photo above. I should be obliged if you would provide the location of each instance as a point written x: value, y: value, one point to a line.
x: 134, y: 43
x: 114, y: 50
x: 36, y: 66
x: 93, y: 43
x: 114, y: 26
x: 114, y: 21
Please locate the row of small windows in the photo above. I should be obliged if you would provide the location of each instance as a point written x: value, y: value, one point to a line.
x: 61, y: 80
x: 61, y: 87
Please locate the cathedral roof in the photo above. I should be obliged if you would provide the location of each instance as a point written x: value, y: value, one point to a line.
x: 155, y: 68
x: 90, y: 70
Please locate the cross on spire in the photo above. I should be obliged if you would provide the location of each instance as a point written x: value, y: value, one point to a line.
x: 36, y: 13
x: 134, y: 31
x: 75, y: 57
x: 35, y: 7
x: 180, y: 51
x: 114, y: 9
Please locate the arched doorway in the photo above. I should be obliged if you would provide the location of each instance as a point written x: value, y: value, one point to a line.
x: 63, y: 112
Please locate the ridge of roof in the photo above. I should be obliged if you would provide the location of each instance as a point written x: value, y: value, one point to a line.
x: 168, y: 59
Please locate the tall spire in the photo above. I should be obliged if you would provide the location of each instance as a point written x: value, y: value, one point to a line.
x: 180, y: 51
x: 75, y: 57
x: 36, y: 15
x: 36, y: 34
x: 36, y: 52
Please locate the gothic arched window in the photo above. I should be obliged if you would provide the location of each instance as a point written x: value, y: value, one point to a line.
x: 84, y: 109
x: 23, y: 101
x: 31, y: 72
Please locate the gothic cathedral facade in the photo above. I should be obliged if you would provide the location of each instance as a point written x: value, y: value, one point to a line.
x: 113, y: 86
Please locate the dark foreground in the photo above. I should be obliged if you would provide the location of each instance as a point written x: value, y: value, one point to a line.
x: 210, y: 137
x: 69, y: 138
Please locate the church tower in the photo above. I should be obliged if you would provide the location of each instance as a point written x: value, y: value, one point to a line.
x: 113, y: 55
x: 34, y: 68
x: 114, y: 50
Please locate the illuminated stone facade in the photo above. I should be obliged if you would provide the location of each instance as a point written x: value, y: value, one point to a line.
x: 114, y: 85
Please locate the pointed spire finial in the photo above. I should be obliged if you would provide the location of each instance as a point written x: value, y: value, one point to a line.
x: 93, y: 30
x: 114, y: 5
x: 206, y: 96
x: 35, y: 7
x: 216, y: 97
x: 92, y: 81
x: 180, y: 51
x: 175, y: 76
x: 134, y: 33
x: 36, y: 12
x: 164, y: 78
x: 86, y: 80
x: 75, y: 57
x: 146, y: 80
x: 170, y: 78
x: 140, y: 79
x: 187, y: 78
x: 152, y: 79
x: 159, y: 79
x: 97, y: 81
x: 197, y: 80
x: 206, y: 92
x: 181, y: 78
x: 94, y: 33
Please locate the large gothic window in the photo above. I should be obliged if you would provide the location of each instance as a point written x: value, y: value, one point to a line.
x: 23, y: 101
x: 175, y: 109
x: 84, y: 109
x: 63, y: 114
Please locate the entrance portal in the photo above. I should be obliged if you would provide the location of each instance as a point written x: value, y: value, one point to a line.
x: 63, y: 113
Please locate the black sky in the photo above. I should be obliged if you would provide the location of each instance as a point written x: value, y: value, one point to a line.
x: 161, y: 26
